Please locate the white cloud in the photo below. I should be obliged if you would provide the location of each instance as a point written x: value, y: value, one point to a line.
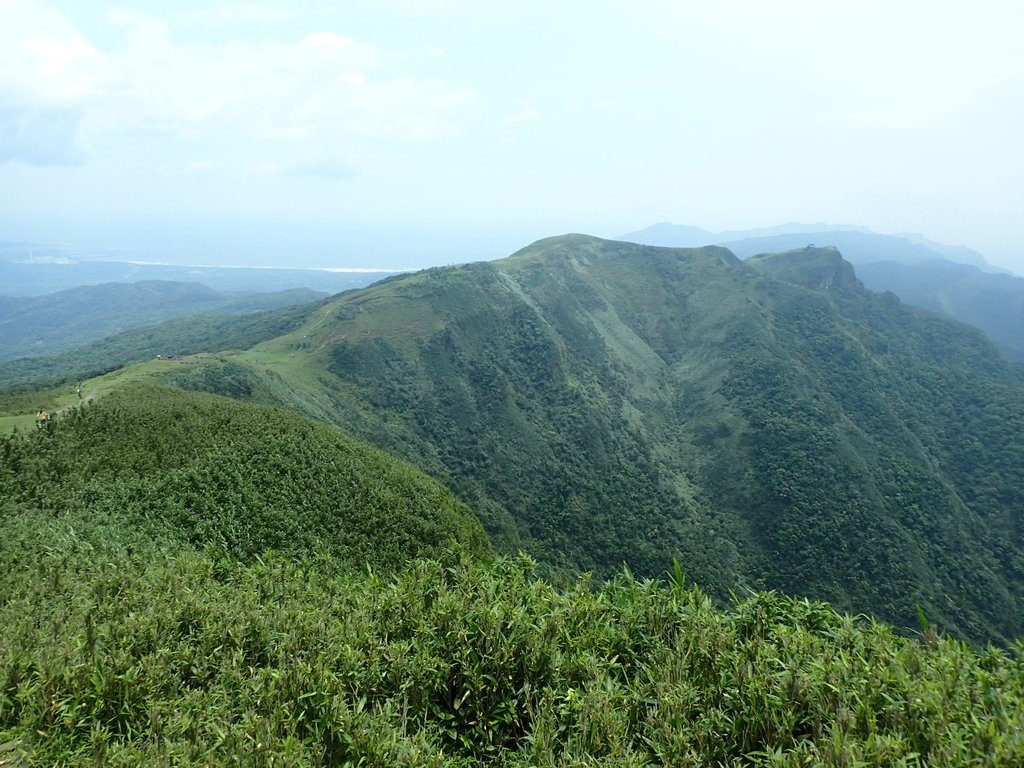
x: 42, y: 57
x: 199, y: 166
x: 326, y: 88
x: 229, y: 14
x: 525, y: 114
x: 40, y: 135
x: 326, y: 165
x: 47, y: 74
x: 268, y: 168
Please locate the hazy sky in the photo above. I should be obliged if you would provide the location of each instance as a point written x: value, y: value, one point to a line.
x: 404, y: 133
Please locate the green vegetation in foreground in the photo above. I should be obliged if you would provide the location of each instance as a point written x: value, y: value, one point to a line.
x: 206, y: 470
x: 114, y: 652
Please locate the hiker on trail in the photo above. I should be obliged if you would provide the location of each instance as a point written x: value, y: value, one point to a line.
x: 79, y: 390
x: 42, y: 419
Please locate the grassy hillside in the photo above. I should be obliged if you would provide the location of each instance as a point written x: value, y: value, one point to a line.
x: 206, y: 471
x: 193, y: 580
x: 599, y: 403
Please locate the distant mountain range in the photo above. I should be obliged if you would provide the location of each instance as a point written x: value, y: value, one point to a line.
x: 951, y: 279
x: 993, y: 303
x: 859, y: 245
x: 61, y: 321
x: 180, y: 336
x: 26, y: 270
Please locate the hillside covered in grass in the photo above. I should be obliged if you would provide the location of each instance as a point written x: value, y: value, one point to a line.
x: 193, y: 580
x: 204, y: 471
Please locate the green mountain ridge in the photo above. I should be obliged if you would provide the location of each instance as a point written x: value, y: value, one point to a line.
x: 859, y: 244
x: 58, y: 322
x: 599, y: 402
x: 953, y: 280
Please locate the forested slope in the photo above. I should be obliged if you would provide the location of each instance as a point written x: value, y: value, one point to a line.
x: 993, y: 303
x: 192, y: 580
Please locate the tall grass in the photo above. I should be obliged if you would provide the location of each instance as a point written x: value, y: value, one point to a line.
x: 118, y: 656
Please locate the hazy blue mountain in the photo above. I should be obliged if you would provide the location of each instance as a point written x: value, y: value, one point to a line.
x: 958, y: 253
x: 27, y: 270
x: 671, y: 235
x: 993, y: 303
x: 180, y: 336
x: 858, y: 245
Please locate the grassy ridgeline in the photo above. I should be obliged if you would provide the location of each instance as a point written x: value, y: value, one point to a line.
x: 207, y: 471
x: 156, y: 658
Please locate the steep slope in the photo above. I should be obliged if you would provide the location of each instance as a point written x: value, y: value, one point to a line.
x: 992, y: 303
x: 598, y: 402
x: 954, y: 280
x: 198, y: 470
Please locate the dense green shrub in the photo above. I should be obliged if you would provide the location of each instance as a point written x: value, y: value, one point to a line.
x: 156, y: 656
x: 211, y: 471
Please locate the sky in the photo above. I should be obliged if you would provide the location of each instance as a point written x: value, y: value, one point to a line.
x: 411, y: 133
